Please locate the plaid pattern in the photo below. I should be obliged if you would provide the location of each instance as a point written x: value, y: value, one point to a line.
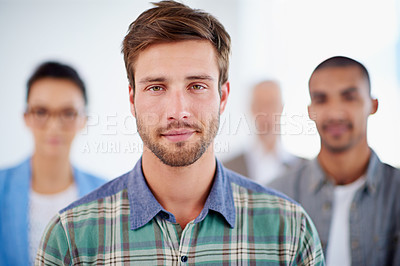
x: 99, y: 229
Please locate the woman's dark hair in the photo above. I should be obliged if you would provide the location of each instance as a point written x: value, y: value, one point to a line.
x: 58, y: 71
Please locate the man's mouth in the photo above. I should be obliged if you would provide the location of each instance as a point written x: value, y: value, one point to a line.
x: 177, y: 135
x: 337, y: 129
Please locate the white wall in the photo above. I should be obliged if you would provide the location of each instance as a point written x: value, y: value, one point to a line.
x: 276, y: 39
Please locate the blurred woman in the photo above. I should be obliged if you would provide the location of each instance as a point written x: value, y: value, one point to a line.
x: 32, y: 192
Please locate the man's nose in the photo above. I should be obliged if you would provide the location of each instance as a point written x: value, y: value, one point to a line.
x: 336, y: 110
x: 178, y: 105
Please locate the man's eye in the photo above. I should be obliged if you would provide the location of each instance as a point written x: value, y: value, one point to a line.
x: 40, y: 112
x: 350, y: 97
x: 318, y: 99
x: 198, y: 87
x: 156, y: 88
x: 69, y: 114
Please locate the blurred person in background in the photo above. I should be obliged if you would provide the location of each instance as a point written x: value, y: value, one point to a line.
x: 352, y: 197
x: 32, y: 192
x: 265, y: 158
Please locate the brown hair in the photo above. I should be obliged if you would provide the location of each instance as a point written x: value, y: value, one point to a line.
x: 170, y: 21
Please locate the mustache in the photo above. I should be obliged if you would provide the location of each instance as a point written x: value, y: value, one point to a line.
x: 179, y: 125
x: 340, y: 122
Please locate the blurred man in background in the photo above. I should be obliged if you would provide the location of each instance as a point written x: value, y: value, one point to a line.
x: 265, y: 157
x: 352, y: 197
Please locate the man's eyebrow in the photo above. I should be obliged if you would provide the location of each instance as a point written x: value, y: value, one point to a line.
x: 163, y: 79
x: 151, y: 79
x: 200, y: 77
x: 317, y: 94
x: 348, y: 90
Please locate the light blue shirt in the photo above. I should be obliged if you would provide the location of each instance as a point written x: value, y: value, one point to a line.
x: 15, y: 184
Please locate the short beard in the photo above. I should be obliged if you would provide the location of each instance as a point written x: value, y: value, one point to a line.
x: 179, y: 155
x: 332, y: 148
x: 337, y: 149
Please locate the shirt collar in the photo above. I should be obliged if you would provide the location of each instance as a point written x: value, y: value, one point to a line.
x: 317, y: 175
x: 373, y: 175
x: 319, y: 179
x: 220, y: 198
x: 144, y: 206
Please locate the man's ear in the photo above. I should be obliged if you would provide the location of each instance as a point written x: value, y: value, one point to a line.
x: 375, y: 105
x: 225, y: 90
x: 311, y: 112
x: 131, y: 100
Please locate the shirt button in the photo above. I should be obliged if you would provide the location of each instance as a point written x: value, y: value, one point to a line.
x: 164, y: 215
x: 184, y: 258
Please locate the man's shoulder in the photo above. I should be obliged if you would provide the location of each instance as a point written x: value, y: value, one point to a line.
x: 299, y: 173
x: 296, y: 162
x: 268, y: 206
x: 110, y: 194
x: 243, y: 188
x: 389, y: 176
x: 297, y: 170
x: 390, y: 171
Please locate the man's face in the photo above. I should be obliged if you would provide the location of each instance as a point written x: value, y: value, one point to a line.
x: 55, y: 115
x: 266, y: 107
x: 340, y: 106
x: 176, y: 103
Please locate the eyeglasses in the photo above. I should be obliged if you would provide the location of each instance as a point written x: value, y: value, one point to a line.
x: 41, y: 115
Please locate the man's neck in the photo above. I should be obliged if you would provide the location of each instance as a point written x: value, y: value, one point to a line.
x: 182, y: 191
x: 51, y: 174
x: 269, y: 142
x: 345, y: 167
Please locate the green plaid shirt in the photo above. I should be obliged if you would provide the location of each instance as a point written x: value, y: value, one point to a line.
x: 122, y: 223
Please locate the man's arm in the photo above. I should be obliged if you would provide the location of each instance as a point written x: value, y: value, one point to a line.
x: 54, y: 246
x: 309, y: 250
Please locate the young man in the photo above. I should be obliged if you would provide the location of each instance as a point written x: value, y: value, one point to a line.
x: 178, y: 204
x: 265, y: 158
x: 351, y: 196
x: 32, y: 192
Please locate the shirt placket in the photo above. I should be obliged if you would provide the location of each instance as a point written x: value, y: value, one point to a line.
x: 171, y: 233
x: 355, y: 223
x: 184, y: 246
